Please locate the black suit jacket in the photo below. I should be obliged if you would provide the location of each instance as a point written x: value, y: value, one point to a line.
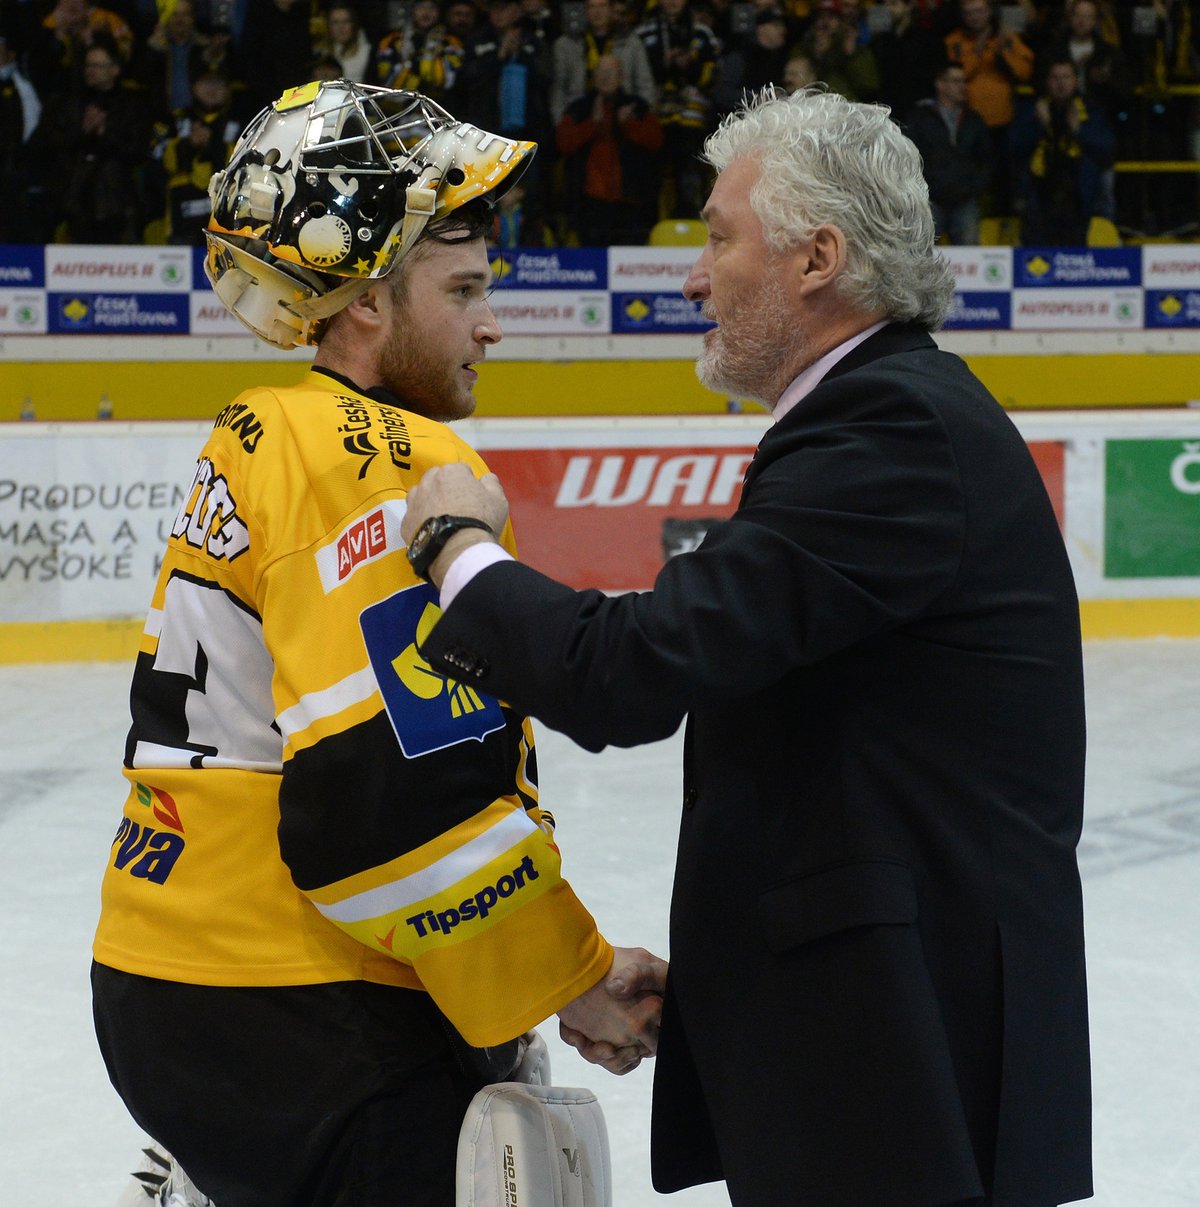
x: 877, y: 993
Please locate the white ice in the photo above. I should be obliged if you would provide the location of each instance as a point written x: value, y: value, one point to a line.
x: 65, y: 1140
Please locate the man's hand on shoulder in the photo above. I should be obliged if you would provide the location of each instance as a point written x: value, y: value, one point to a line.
x: 454, y: 490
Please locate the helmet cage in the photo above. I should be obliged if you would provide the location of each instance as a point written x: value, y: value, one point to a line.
x: 338, y: 180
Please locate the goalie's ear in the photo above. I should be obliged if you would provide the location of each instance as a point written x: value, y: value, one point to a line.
x: 534, y: 1144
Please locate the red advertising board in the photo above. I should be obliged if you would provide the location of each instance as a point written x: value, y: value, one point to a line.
x: 609, y: 517
x: 1048, y: 457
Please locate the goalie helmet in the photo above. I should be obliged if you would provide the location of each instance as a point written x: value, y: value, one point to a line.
x: 326, y: 191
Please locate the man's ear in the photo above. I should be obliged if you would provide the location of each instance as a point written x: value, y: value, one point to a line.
x: 372, y: 305
x: 818, y: 262
x: 362, y: 326
x: 367, y: 319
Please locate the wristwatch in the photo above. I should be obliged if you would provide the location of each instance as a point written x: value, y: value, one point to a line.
x: 430, y: 539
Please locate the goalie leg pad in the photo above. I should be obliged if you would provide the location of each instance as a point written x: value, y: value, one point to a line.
x: 160, y: 1181
x: 533, y: 1146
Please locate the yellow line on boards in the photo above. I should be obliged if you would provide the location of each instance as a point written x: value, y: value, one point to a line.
x: 71, y: 641
x: 117, y: 640
x: 67, y: 391
x: 1140, y: 617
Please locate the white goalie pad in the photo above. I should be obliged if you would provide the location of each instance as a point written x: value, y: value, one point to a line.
x: 525, y: 1145
x: 159, y: 1181
x: 533, y: 1065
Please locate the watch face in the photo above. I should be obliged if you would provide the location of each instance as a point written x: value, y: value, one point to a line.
x: 422, y: 540
x: 423, y: 536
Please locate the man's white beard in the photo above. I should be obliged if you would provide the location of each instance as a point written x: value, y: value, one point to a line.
x: 753, y: 360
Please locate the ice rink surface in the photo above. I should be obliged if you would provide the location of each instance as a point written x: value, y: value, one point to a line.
x: 65, y: 1140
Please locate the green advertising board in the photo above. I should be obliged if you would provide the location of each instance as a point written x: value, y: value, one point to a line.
x: 1152, y: 509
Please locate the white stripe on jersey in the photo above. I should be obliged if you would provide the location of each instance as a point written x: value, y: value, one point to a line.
x: 149, y: 754
x: 154, y: 622
x: 327, y: 702
x: 437, y: 877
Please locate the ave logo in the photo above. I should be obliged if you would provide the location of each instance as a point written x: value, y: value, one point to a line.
x: 364, y: 540
x: 360, y: 543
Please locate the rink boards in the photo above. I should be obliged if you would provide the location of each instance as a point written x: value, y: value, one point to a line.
x: 85, y: 509
x: 61, y: 377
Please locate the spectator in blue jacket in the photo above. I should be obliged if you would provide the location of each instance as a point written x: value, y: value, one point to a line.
x: 502, y: 87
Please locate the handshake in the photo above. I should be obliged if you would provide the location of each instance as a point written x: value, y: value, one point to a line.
x: 615, y: 1023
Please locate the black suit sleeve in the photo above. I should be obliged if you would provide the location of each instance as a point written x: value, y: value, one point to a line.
x: 846, y: 529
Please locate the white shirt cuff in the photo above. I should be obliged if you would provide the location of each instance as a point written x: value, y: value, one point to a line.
x: 468, y: 564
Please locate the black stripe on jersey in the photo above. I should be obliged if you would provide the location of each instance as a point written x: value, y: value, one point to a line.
x: 353, y: 801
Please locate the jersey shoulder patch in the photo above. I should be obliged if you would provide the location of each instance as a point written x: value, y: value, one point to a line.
x: 427, y: 710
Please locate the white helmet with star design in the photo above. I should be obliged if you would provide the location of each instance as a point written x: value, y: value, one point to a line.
x: 326, y: 191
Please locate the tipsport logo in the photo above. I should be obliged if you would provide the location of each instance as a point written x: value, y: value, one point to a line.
x: 479, y: 905
x: 427, y: 710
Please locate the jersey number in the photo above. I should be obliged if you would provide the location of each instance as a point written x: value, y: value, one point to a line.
x: 204, y: 697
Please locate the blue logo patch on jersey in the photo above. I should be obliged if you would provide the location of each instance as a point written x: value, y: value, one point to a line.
x: 428, y: 711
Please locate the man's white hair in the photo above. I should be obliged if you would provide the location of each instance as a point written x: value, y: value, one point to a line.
x: 824, y: 160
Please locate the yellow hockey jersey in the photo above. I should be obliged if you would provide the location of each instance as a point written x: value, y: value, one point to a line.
x: 309, y: 800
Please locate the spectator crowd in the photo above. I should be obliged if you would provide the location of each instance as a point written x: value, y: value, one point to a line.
x: 113, y: 117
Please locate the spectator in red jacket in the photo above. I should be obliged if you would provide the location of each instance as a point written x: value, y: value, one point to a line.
x: 608, y: 137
